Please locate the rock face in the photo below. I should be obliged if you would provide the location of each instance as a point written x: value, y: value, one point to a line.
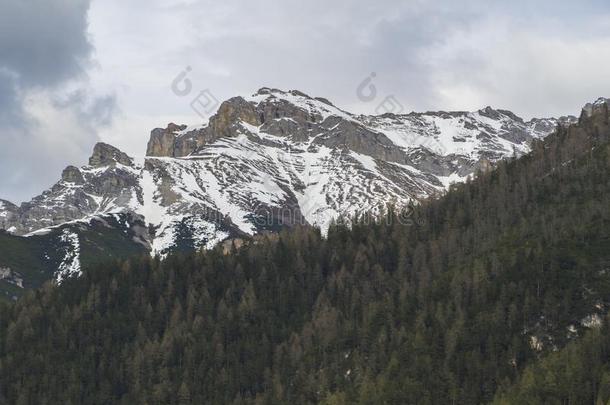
x: 104, y: 155
x: 9, y: 213
x: 72, y: 174
x: 162, y: 141
x: 276, y: 159
x: 599, y: 107
x: 487, y: 134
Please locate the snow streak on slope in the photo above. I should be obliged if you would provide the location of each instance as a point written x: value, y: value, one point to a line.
x: 70, y: 265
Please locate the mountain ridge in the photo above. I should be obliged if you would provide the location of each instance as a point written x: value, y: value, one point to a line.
x: 299, y: 118
x: 272, y: 160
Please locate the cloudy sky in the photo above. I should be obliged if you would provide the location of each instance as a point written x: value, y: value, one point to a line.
x: 73, y: 72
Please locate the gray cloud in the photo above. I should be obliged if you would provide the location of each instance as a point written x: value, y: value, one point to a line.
x: 322, y: 48
x: 48, y: 115
x: 9, y: 108
x: 92, y: 111
x: 44, y: 42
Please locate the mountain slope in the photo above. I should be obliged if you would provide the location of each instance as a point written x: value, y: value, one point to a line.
x: 579, y: 373
x: 273, y: 160
x: 63, y: 251
x: 282, y: 151
x: 488, y: 279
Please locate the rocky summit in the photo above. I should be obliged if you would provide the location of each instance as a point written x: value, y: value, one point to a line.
x: 275, y: 159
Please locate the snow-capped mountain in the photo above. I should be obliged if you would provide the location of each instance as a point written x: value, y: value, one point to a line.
x: 270, y: 160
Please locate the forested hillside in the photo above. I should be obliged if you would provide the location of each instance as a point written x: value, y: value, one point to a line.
x: 578, y: 374
x: 453, y: 304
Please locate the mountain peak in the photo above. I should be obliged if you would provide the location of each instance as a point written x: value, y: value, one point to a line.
x: 171, y: 127
x: 7, y: 205
x: 275, y: 111
x: 263, y: 91
x: 290, y: 95
x: 72, y: 174
x: 496, y: 113
x: 105, y: 155
x: 599, y: 105
x: 266, y: 90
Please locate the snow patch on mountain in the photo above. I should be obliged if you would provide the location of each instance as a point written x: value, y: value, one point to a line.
x: 70, y: 265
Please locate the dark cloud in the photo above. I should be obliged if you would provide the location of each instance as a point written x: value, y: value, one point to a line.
x: 44, y: 42
x: 45, y: 50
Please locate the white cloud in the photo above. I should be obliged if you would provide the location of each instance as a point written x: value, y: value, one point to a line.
x: 532, y: 72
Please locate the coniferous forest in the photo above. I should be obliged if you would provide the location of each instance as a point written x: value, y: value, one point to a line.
x: 495, y: 293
